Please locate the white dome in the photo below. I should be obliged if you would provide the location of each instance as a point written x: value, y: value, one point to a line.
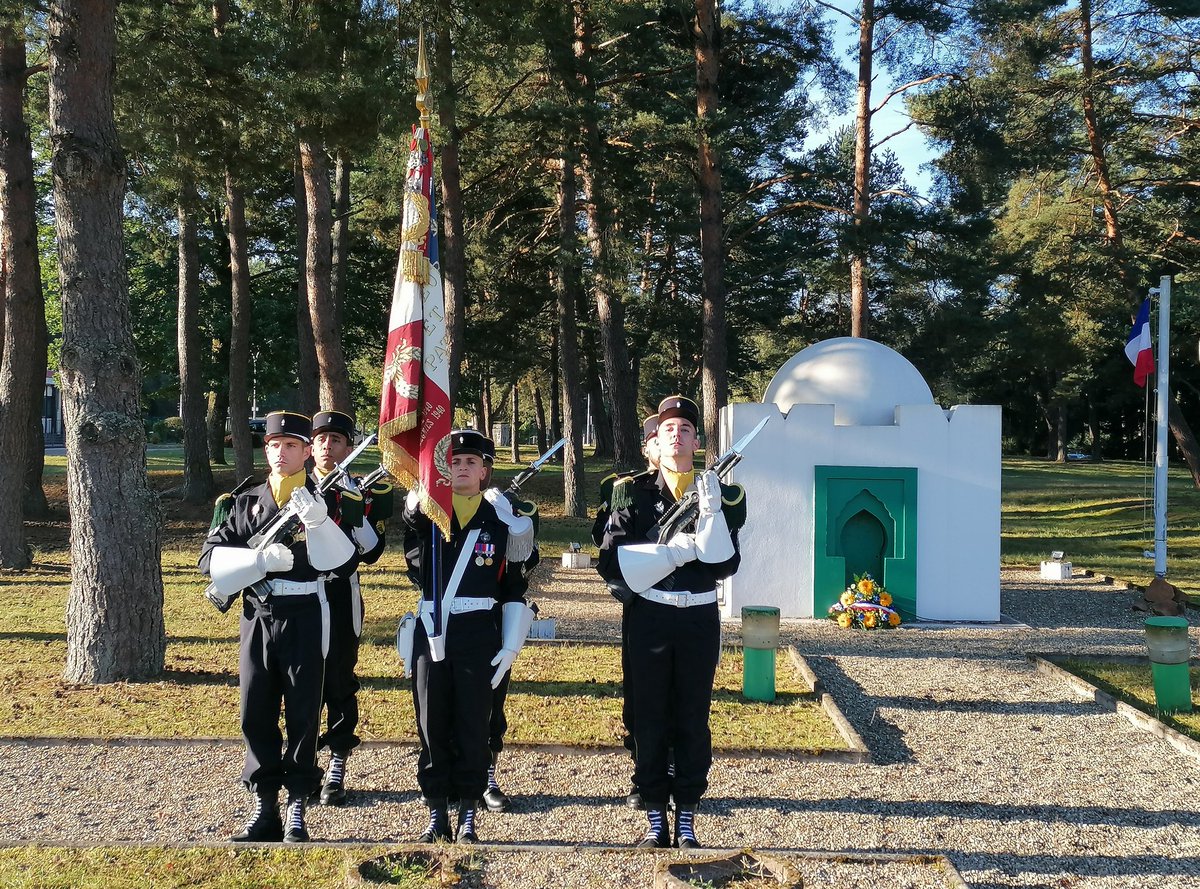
x: 863, y: 380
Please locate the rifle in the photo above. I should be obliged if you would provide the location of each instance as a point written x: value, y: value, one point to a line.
x: 514, y: 487
x: 283, y: 527
x: 687, y: 508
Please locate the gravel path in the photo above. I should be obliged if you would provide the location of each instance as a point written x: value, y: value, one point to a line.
x: 978, y: 756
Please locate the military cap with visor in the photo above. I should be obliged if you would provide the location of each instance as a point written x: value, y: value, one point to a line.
x: 470, y: 441
x: 288, y: 423
x: 649, y: 428
x: 679, y: 406
x: 334, y: 421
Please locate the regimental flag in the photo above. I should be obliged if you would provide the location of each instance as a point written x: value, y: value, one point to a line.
x: 414, y: 407
x: 1137, y: 347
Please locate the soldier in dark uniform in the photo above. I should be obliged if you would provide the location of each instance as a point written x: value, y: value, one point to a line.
x: 362, y: 512
x: 484, y: 624
x: 673, y: 623
x: 621, y: 592
x: 284, y: 626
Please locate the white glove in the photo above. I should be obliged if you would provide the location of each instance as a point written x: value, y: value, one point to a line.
x: 311, y: 510
x: 708, y: 490
x: 275, y: 557
x: 412, y: 500
x: 682, y: 549
x: 503, y: 507
x: 503, y: 662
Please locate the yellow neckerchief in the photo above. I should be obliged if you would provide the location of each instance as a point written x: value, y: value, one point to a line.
x: 465, y: 507
x: 677, y: 481
x: 281, y: 488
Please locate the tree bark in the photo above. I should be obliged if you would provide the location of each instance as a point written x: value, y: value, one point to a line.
x: 623, y: 444
x: 197, y: 473
x: 331, y: 360
x: 539, y: 418
x: 308, y: 375
x: 715, y: 360
x: 340, y: 240
x: 555, y: 388
x: 239, y: 328
x: 515, y: 450
x: 34, y: 503
x: 114, y: 614
x: 574, y: 499
x: 218, y: 409
x: 22, y: 311
x: 485, y: 405
x: 859, y: 297
x: 452, y: 243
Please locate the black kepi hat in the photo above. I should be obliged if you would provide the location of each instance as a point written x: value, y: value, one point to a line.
x: 334, y: 421
x: 288, y: 423
x: 470, y: 441
x: 649, y: 428
x: 679, y: 406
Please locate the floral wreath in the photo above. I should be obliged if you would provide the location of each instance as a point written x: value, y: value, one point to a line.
x: 865, y: 605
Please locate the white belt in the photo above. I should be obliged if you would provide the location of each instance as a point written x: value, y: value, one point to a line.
x: 295, y: 587
x: 679, y: 600
x: 461, y: 604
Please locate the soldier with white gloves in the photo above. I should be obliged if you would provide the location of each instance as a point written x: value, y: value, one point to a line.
x: 362, y: 513
x: 284, y: 625
x: 672, y: 622
x: 485, y: 622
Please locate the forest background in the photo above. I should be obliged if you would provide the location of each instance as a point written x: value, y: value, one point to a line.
x: 635, y: 199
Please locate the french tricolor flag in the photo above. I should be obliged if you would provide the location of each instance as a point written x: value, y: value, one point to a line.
x: 1137, y: 347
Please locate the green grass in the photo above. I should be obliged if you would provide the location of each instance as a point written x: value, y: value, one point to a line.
x: 1132, y: 683
x: 1099, y: 515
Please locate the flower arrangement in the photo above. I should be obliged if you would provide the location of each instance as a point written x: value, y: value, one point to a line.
x: 865, y: 605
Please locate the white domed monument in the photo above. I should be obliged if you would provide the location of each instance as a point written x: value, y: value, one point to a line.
x: 859, y: 471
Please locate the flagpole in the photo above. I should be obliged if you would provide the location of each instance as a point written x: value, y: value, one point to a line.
x: 1163, y: 381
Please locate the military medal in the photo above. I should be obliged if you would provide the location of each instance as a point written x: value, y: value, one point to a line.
x: 484, y: 552
x: 479, y: 561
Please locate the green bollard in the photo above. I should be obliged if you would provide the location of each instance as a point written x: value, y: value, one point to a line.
x: 760, y: 639
x: 1167, y: 642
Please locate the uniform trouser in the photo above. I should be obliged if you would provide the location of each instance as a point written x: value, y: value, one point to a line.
x: 280, y: 662
x: 626, y: 681
x: 673, y: 652
x: 498, y: 724
x: 341, y: 685
x: 453, y: 703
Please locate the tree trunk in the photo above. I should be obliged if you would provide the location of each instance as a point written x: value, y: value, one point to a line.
x: 1182, y: 430
x: 1095, y: 438
x: 308, y: 376
x: 34, y: 504
x: 340, y: 242
x: 623, y: 443
x: 452, y: 241
x: 239, y: 329
x: 574, y: 499
x: 485, y: 405
x: 539, y: 419
x: 218, y: 409
x: 715, y: 360
x: 555, y: 401
x: 860, y: 299
x: 22, y: 311
x: 515, y: 451
x: 115, y: 608
x: 197, y: 473
x: 331, y: 361
x: 601, y: 424
x: 1060, y: 433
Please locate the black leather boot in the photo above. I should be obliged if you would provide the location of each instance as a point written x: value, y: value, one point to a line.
x: 334, y: 791
x: 634, y: 798
x: 296, y: 832
x: 465, y: 833
x: 264, y: 825
x: 658, y: 836
x: 494, y: 797
x: 439, y: 824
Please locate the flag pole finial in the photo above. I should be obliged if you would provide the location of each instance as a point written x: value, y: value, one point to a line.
x: 422, y: 78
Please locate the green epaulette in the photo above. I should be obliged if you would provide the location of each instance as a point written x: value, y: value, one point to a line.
x: 733, y: 504
x: 351, y: 508
x: 606, y: 486
x: 221, y: 510
x: 382, y: 495
x: 622, y: 491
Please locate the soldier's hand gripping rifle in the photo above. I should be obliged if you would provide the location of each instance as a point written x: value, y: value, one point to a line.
x: 684, y: 512
x: 645, y: 564
x: 282, y: 529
